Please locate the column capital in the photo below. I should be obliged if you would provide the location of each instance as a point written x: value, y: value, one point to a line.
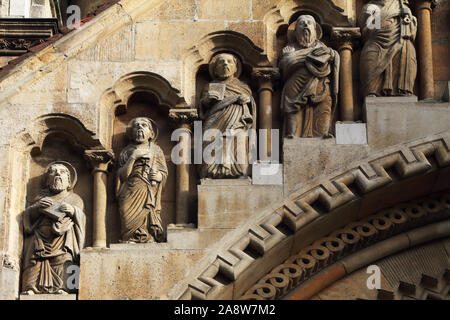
x: 266, y: 77
x: 99, y: 160
x: 183, y: 117
x: 345, y: 37
x: 266, y: 73
x: 426, y: 4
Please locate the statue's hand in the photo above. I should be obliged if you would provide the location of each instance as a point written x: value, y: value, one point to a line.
x: 68, y: 209
x: 45, y: 203
x: 244, y: 99
x: 288, y: 49
x: 155, y: 176
x: 140, y: 153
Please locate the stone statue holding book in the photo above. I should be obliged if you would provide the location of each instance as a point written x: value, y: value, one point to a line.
x: 227, y: 105
x: 54, y: 227
x: 141, y: 177
x: 310, y: 73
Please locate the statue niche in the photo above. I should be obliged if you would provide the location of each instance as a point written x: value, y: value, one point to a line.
x: 310, y: 72
x: 227, y: 105
x: 141, y: 177
x: 388, y: 58
x: 54, y: 227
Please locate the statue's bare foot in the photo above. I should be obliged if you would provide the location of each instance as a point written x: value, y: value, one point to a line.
x: 28, y: 293
x: 290, y: 136
x: 327, y: 136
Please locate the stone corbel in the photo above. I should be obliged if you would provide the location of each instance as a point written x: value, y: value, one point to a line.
x: 425, y: 47
x: 344, y: 39
x: 99, y: 161
x: 266, y: 78
x: 183, y: 119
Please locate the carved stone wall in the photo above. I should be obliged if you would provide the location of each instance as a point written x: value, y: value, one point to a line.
x: 148, y: 58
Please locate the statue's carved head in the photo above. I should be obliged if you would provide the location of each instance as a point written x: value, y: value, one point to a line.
x: 141, y: 130
x: 58, y: 177
x: 307, y: 31
x: 225, y: 65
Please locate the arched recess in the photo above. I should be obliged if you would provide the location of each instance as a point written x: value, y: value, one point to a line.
x: 220, y: 41
x: 144, y: 94
x: 278, y: 20
x: 115, y: 99
x: 361, y: 189
x: 26, y: 162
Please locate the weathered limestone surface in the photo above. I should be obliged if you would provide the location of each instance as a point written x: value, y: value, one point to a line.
x: 70, y: 76
x: 9, y: 283
x: 318, y: 157
x: 138, y: 271
x: 392, y: 120
x: 226, y: 203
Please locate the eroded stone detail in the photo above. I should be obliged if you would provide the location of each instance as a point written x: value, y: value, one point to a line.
x: 311, y: 74
x: 54, y: 227
x: 141, y: 177
x: 388, y: 59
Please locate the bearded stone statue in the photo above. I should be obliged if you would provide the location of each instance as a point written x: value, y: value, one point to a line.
x: 310, y: 72
x: 227, y: 105
x: 140, y: 179
x: 54, y: 227
x: 388, y: 58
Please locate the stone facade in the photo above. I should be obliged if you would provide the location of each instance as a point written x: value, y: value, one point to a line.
x: 71, y: 97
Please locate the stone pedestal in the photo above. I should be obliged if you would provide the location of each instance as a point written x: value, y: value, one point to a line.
x: 267, y: 173
x: 9, y: 283
x: 351, y: 133
x: 393, y: 120
x: 225, y: 203
x: 133, y: 271
x: 306, y: 159
x: 193, y: 238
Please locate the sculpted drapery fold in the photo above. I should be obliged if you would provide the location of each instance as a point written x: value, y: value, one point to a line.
x: 141, y: 178
x: 388, y: 59
x: 227, y: 105
x: 54, y: 227
x: 310, y: 73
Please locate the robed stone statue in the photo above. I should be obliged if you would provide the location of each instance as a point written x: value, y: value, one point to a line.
x: 227, y: 105
x: 388, y: 58
x: 54, y: 227
x: 141, y: 177
x: 310, y: 72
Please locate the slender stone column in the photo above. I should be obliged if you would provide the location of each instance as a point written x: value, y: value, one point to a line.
x: 265, y: 78
x: 99, y: 160
x: 343, y: 38
x: 424, y: 48
x: 183, y: 119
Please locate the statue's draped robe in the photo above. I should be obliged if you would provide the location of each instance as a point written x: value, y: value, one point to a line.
x: 306, y: 92
x: 139, y: 200
x: 229, y: 114
x: 50, y: 246
x: 388, y: 59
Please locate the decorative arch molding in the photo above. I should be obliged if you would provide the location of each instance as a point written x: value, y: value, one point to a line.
x: 73, y: 130
x: 25, y: 144
x: 115, y: 99
x: 355, y: 246
x: 417, y: 169
x: 215, y: 42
